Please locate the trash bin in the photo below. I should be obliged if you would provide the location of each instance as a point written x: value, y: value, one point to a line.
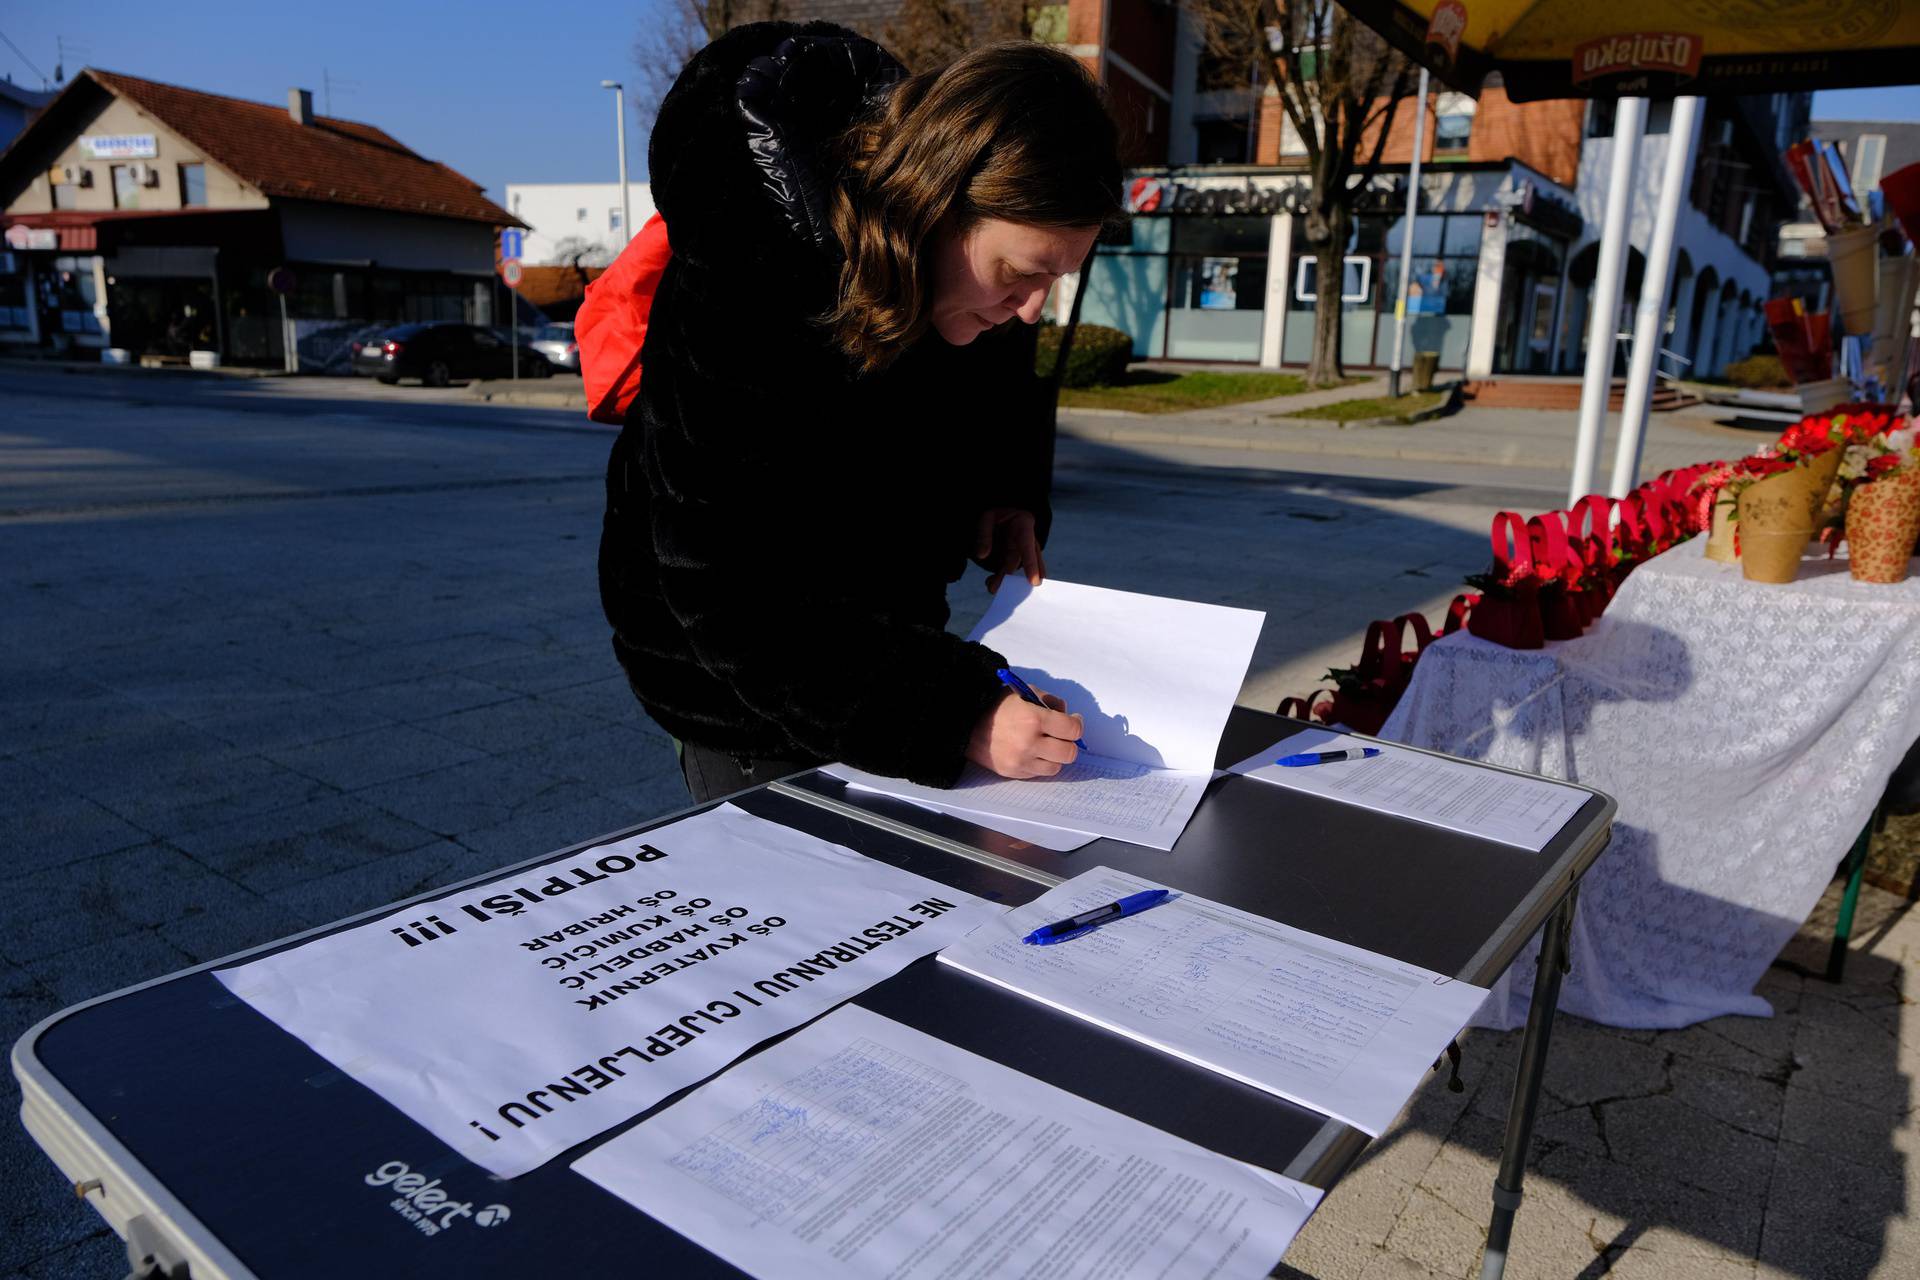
x: 1425, y: 365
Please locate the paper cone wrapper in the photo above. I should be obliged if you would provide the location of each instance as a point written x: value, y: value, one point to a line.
x: 1721, y: 544
x: 1893, y: 307
x: 1853, y: 255
x: 1776, y: 521
x: 1883, y: 519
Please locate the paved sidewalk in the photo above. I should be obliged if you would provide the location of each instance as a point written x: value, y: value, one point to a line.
x: 1739, y: 1148
x: 1524, y: 438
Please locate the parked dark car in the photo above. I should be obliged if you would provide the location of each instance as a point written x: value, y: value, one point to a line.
x: 442, y: 352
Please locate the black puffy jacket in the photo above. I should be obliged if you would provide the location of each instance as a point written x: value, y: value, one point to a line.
x: 780, y: 532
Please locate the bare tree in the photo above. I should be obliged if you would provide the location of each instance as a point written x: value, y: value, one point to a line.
x: 580, y: 255
x: 1339, y: 85
x: 925, y: 34
x: 681, y: 28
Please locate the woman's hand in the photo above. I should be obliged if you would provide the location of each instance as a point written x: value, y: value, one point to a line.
x: 1019, y: 740
x: 1004, y: 541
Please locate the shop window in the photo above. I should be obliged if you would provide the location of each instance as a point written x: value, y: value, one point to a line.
x: 1222, y: 141
x: 66, y: 195
x: 193, y: 186
x: 1452, y: 124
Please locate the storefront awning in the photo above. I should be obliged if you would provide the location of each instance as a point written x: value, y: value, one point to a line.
x: 101, y: 230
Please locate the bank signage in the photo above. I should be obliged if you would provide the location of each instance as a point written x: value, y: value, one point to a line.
x: 120, y: 146
x: 1149, y: 195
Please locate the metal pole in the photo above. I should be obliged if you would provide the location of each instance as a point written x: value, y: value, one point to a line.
x: 513, y: 315
x: 1555, y: 943
x: 1406, y: 238
x: 1609, y: 281
x: 620, y: 136
x: 1649, y: 325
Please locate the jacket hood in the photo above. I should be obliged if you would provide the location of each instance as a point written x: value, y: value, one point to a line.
x: 741, y: 158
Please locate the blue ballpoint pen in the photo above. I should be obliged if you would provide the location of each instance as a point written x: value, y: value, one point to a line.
x: 1027, y: 694
x: 1327, y: 757
x: 1087, y: 921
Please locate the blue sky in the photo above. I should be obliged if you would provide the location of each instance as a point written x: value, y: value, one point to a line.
x: 501, y: 92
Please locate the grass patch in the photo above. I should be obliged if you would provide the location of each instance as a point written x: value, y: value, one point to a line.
x: 1399, y: 408
x: 1166, y: 391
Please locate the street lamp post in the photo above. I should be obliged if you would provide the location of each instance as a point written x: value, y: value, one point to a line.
x: 620, y: 134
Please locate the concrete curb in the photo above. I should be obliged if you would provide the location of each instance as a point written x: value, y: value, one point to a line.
x: 83, y: 368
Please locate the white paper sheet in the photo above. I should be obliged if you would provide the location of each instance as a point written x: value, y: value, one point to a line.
x: 1509, y: 808
x: 863, y: 1148
x: 1154, y: 680
x: 518, y: 1018
x: 1095, y: 795
x: 1058, y: 839
x: 1327, y: 1025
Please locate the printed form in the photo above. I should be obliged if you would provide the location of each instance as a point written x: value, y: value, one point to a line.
x: 863, y: 1148
x: 1516, y: 809
x: 1154, y: 680
x: 1330, y: 1026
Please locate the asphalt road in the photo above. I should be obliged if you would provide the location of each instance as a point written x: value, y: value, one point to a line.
x: 278, y: 651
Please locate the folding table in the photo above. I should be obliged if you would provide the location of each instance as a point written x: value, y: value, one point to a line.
x: 212, y: 1140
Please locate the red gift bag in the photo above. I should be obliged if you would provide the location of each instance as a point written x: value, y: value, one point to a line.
x: 1369, y: 691
x: 1591, y: 529
x: 1314, y: 707
x: 1458, y: 611
x: 1560, y: 614
x: 1508, y: 611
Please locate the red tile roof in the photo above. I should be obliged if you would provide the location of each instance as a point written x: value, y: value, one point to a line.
x: 328, y: 160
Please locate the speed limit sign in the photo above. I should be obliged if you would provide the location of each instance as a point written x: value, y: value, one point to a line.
x: 510, y: 272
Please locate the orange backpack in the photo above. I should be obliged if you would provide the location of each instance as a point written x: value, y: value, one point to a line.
x: 611, y: 326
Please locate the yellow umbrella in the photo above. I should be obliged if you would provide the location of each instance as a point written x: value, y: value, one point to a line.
x: 1654, y: 48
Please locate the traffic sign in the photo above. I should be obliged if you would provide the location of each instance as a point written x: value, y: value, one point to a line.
x: 510, y: 272
x: 511, y: 243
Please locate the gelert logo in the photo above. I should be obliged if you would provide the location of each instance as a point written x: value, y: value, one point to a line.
x: 1672, y: 52
x: 426, y: 1205
x: 1444, y: 29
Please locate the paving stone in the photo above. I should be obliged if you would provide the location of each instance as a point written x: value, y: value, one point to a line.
x: 607, y: 698
x: 1749, y: 1103
x: 511, y: 726
x: 101, y: 1253
x: 39, y: 1214
x: 476, y: 795
x: 533, y: 834
x: 29, y: 723
x: 135, y: 956
x: 544, y: 672
x: 378, y: 755
x: 49, y: 825
x: 1324, y: 1250
x: 1370, y: 1200
x: 1587, y: 1063
x: 1434, y: 1235
x: 1640, y: 1263
x: 612, y: 759
x: 290, y: 722
x: 423, y: 698
x: 1852, y: 1054
x: 325, y: 899
x: 1807, y: 1246
x: 1665, y: 1137
x: 309, y: 840
x: 1622, y: 1196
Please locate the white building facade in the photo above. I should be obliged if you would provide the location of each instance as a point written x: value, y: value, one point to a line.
x: 576, y: 217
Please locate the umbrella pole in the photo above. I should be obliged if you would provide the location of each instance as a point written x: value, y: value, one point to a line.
x: 1649, y: 324
x: 1406, y: 240
x: 1609, y: 281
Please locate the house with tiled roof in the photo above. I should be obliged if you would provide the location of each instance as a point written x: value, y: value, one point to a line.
x: 161, y: 220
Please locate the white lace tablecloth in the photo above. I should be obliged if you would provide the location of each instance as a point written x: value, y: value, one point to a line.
x: 1747, y: 732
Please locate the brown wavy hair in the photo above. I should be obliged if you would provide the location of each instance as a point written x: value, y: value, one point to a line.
x: 1015, y: 131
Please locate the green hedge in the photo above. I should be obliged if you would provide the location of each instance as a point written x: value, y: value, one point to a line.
x: 1099, y: 356
x: 1760, y: 372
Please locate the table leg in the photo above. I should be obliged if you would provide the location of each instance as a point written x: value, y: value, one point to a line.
x: 1526, y: 1086
x: 1856, y: 868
